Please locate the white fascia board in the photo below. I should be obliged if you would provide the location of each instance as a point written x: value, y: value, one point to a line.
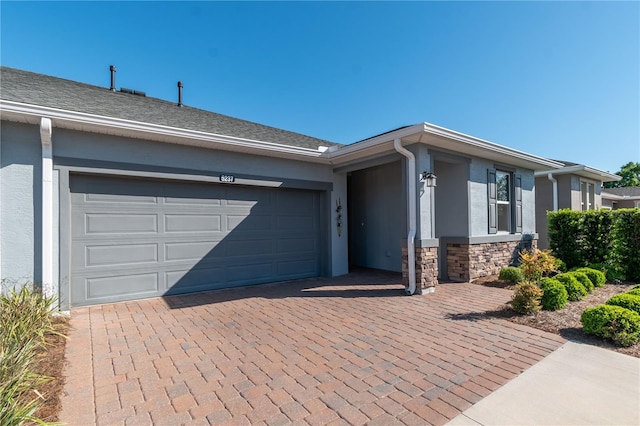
x: 584, y: 171
x: 71, y: 119
x: 365, y: 147
x: 385, y: 142
x: 489, y: 146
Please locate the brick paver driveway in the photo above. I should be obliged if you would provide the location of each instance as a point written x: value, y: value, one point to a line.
x: 351, y: 350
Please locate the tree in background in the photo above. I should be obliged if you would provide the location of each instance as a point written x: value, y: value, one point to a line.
x: 630, y: 173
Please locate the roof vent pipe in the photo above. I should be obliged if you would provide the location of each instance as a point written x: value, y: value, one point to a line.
x: 180, y: 94
x: 112, y: 68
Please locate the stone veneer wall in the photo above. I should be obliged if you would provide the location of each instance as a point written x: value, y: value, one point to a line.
x: 467, y: 262
x: 426, y: 269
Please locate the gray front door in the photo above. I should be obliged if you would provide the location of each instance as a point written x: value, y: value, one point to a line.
x: 136, y: 238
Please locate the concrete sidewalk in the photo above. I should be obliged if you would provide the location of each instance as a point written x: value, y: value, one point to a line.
x: 575, y: 385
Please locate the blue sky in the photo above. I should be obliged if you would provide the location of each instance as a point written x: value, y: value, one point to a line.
x: 555, y: 79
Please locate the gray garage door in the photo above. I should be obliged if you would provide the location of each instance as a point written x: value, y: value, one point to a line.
x: 134, y: 238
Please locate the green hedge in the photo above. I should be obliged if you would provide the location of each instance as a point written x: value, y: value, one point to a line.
x: 584, y: 280
x: 627, y: 242
x: 612, y: 322
x: 565, y: 236
x: 610, y: 238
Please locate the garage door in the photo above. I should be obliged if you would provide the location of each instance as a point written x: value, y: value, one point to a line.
x: 134, y: 238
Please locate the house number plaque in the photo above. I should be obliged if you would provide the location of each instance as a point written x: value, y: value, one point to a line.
x: 227, y: 178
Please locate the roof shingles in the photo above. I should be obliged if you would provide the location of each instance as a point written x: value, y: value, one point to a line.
x: 42, y: 90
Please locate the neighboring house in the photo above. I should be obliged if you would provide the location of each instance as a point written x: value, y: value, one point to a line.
x: 109, y: 195
x: 621, y: 198
x: 573, y: 186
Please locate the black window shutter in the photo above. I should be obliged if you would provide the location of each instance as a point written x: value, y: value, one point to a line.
x: 493, y: 198
x: 518, y: 205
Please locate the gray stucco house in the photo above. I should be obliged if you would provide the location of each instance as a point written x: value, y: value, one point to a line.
x: 626, y: 197
x: 573, y: 186
x: 107, y: 194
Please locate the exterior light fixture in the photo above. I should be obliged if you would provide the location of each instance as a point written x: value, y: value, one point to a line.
x: 429, y: 179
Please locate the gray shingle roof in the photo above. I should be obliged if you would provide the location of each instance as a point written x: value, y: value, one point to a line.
x: 625, y: 191
x: 43, y: 90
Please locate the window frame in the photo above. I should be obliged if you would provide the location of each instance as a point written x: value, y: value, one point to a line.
x: 514, y: 192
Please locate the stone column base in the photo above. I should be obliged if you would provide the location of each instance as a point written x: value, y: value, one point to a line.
x: 426, y: 269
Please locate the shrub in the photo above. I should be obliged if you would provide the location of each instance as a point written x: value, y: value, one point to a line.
x: 584, y: 280
x: 536, y: 264
x: 597, y: 277
x: 596, y: 228
x: 634, y: 291
x: 554, y: 295
x: 511, y: 274
x: 526, y: 298
x: 612, y: 322
x: 565, y: 236
x: 626, y: 300
x: 26, y: 318
x: 575, y: 290
x: 611, y: 272
x: 561, y: 266
x: 627, y: 242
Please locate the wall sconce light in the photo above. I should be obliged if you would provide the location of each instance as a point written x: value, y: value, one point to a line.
x: 429, y: 179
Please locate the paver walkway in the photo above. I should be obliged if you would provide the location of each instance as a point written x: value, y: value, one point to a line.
x: 350, y: 350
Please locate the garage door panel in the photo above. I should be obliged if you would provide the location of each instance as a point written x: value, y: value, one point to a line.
x: 296, y: 245
x: 120, y: 198
x: 169, y: 237
x: 191, y: 223
x: 250, y: 273
x: 189, y: 202
x: 304, y: 223
x: 120, y: 223
x: 113, y: 255
x: 249, y: 247
x: 295, y: 202
x: 193, y: 279
x: 190, y: 250
x: 248, y: 223
x: 131, y: 284
x: 297, y: 268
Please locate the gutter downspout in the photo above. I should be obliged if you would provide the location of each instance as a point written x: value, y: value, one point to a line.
x: 555, y: 191
x: 47, y: 207
x: 411, y: 201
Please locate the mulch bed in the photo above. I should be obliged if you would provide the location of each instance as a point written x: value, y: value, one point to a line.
x: 566, y: 322
x: 51, y: 364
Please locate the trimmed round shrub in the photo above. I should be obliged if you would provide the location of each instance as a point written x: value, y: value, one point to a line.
x: 575, y: 290
x: 635, y: 291
x: 598, y: 278
x: 554, y: 295
x: 560, y: 265
x: 626, y: 300
x: 612, y: 322
x: 526, y: 298
x: 511, y: 274
x: 584, y: 280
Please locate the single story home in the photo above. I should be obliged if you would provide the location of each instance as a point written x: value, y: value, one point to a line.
x: 572, y: 186
x: 107, y: 194
x: 621, y: 198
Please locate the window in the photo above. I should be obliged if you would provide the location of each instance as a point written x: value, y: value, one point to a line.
x: 587, y: 196
x: 505, y: 202
x: 503, y: 199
